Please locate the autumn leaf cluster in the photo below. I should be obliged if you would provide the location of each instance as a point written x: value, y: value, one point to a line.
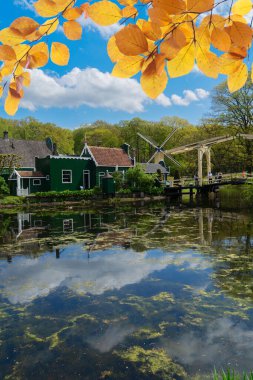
x: 175, y: 36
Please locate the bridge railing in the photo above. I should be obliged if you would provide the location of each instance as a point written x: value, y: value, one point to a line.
x: 227, y: 177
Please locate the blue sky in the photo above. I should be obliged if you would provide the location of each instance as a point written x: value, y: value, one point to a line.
x: 84, y: 91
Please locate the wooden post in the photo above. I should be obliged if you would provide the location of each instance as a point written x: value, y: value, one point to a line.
x: 200, y: 162
x: 208, y: 160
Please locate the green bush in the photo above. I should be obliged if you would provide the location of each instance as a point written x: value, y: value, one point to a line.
x: 124, y: 191
x: 119, y: 180
x: 4, y: 189
x: 138, y: 181
x: 12, y: 200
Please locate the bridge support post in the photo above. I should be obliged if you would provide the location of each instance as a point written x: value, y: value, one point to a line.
x: 201, y: 151
x: 200, y: 165
x: 208, y: 160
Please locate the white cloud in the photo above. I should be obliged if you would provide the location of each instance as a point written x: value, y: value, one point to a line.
x: 89, y: 87
x: 38, y: 277
x: 93, y: 88
x: 27, y: 4
x: 105, y: 31
x: 189, y: 96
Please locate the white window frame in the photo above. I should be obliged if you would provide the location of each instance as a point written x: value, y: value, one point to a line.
x: 66, y: 170
x: 100, y: 175
x: 38, y: 180
x: 68, y: 225
x: 47, y: 177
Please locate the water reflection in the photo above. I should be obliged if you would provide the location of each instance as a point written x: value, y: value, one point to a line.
x: 128, y: 293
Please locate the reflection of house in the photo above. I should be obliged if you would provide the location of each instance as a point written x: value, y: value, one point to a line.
x: 62, y: 172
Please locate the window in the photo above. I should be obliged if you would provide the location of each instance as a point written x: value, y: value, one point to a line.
x: 68, y: 225
x: 48, y: 177
x: 67, y: 176
x: 36, y: 182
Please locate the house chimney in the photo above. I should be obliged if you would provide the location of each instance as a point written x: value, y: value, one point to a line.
x: 6, y: 135
x: 55, y: 152
x: 126, y: 148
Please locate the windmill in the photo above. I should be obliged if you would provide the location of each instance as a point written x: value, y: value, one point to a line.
x: 159, y: 154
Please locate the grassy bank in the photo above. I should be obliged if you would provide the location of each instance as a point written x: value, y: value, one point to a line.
x: 68, y: 199
x: 234, y: 197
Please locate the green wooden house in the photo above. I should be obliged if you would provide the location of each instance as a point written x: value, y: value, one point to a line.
x: 65, y: 172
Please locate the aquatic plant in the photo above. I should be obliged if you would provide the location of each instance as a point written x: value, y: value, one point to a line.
x: 230, y: 374
x: 155, y: 362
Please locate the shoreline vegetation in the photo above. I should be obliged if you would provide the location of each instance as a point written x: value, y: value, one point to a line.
x: 230, y: 196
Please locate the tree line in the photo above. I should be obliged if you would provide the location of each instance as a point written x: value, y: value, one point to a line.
x: 230, y: 114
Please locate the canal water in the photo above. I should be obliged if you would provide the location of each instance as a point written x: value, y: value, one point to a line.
x: 152, y: 292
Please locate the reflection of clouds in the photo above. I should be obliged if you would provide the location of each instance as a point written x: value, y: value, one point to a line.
x: 114, y: 335
x: 26, y: 279
x: 221, y: 344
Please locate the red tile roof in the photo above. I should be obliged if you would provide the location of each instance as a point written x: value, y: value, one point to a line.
x: 110, y: 156
x: 30, y: 174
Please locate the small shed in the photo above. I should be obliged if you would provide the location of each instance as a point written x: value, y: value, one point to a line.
x: 151, y: 168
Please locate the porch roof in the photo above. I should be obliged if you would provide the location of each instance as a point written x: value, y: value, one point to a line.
x: 30, y: 174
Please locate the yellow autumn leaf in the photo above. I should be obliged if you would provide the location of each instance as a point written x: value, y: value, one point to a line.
x: 72, y: 30
x: 208, y: 63
x: 152, y: 83
x: 49, y: 26
x: 50, y: 8
x: 128, y: 2
x: 1, y: 91
x: 8, y: 37
x: 7, y: 68
x: 127, y: 67
x: 229, y: 64
x: 113, y: 50
x: 129, y: 12
x: 12, y: 100
x: 242, y: 7
x: 172, y: 7
x: 220, y: 39
x: 199, y: 6
x: 7, y: 53
x: 59, y: 54
x: 131, y: 40
x: 26, y: 78
x: 151, y: 30
x: 238, y: 79
x: 38, y: 59
x: 240, y: 34
x: 183, y: 63
x: 159, y: 16
x: 72, y: 13
x: 173, y: 44
x: 23, y: 26
x: 104, y: 13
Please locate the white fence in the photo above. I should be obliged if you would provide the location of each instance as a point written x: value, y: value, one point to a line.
x: 22, y: 192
